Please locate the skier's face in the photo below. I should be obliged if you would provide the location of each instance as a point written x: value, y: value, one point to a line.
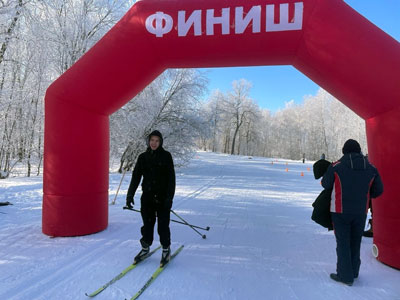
x: 154, y: 142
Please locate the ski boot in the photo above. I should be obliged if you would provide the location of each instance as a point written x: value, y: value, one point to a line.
x: 165, y: 256
x: 336, y: 278
x: 141, y: 255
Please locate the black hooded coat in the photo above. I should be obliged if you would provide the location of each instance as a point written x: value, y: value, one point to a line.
x: 157, y: 169
x: 321, y: 212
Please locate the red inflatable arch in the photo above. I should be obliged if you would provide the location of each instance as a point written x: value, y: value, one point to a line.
x: 326, y: 40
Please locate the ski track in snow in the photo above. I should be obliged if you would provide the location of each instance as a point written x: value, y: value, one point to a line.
x: 262, y: 243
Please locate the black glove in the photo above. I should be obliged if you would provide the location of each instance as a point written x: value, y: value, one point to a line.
x: 130, y: 202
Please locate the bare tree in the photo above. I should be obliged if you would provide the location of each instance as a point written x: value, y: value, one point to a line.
x: 39, y: 40
x: 238, y: 107
x: 320, y: 125
x: 13, y: 10
x: 170, y: 104
x: 72, y: 27
x: 213, y: 112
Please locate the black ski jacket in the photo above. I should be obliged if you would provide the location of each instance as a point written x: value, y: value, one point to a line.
x: 157, y: 169
x: 354, y: 181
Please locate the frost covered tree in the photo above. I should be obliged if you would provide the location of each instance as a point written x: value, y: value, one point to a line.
x: 212, y: 112
x: 72, y: 27
x: 238, y: 108
x: 264, y: 126
x: 15, y: 83
x: 320, y: 125
x: 169, y: 104
x: 232, y: 119
x: 39, y: 40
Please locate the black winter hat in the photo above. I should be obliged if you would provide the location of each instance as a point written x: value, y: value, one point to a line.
x: 155, y: 133
x: 351, y: 146
x: 320, y: 167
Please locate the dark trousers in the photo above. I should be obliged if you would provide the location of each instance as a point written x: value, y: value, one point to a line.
x: 348, y: 232
x: 151, y: 209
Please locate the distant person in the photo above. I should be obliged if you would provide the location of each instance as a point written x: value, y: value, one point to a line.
x: 158, y: 188
x: 354, y: 181
x: 323, y: 156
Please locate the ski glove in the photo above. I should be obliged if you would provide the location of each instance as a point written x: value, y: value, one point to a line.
x: 130, y: 202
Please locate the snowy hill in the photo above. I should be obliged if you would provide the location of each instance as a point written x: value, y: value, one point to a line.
x: 262, y: 243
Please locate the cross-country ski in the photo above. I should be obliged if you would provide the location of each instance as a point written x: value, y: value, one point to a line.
x: 122, y: 274
x: 156, y: 273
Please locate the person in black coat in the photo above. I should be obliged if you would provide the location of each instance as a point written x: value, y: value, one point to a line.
x: 158, y: 188
x: 321, y: 212
x: 354, y: 181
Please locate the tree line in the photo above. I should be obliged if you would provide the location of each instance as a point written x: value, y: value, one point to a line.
x: 320, y: 125
x: 41, y: 39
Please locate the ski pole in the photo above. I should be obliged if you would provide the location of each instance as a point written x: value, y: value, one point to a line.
x: 202, y: 228
x: 179, y: 222
x: 116, y: 194
x: 191, y: 226
x: 186, y: 223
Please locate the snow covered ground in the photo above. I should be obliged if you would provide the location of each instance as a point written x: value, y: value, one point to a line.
x: 262, y: 243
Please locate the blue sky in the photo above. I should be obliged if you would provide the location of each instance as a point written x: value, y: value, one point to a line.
x: 269, y: 84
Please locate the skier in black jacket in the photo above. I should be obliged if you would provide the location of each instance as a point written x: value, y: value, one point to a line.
x: 354, y: 181
x: 158, y: 188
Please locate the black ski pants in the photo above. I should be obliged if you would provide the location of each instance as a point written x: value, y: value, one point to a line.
x: 152, y: 209
x: 348, y: 232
